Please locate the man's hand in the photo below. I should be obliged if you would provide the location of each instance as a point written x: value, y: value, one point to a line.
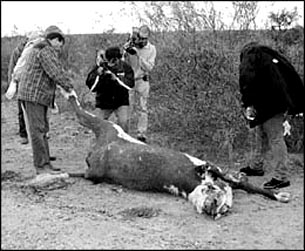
x: 113, y: 76
x: 131, y: 50
x: 100, y: 70
x: 250, y: 113
x: 10, y: 93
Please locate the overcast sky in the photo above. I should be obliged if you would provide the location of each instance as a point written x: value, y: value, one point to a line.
x: 79, y: 17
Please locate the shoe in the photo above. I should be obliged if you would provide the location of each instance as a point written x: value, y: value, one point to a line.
x: 24, y: 141
x: 48, y: 168
x: 52, y: 168
x: 141, y: 138
x: 40, y: 170
x: 275, y: 183
x: 252, y: 172
x: 52, y: 158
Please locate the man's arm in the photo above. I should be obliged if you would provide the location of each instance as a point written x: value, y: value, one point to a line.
x: 129, y: 75
x: 13, y: 61
x: 148, y: 63
x: 248, y: 77
x: 53, y: 68
x: 91, y: 78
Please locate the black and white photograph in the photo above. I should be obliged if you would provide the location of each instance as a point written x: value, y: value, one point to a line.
x: 152, y: 125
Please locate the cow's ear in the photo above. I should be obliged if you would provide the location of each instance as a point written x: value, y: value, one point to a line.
x: 200, y: 170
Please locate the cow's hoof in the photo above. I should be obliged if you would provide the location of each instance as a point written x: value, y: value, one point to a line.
x: 283, y: 197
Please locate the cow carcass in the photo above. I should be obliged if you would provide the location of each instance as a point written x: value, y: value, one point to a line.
x: 118, y: 158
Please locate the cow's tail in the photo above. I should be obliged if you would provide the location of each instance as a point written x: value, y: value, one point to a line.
x: 85, y: 118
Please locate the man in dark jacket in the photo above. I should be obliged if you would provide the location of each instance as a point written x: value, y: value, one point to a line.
x: 270, y: 88
x: 111, y: 96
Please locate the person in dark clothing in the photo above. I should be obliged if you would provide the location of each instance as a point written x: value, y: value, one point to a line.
x: 271, y: 89
x: 13, y: 61
x: 110, y: 95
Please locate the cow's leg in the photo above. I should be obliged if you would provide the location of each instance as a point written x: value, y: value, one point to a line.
x: 243, y: 184
x: 97, y: 163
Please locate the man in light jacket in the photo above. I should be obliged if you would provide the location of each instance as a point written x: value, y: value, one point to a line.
x: 141, y: 55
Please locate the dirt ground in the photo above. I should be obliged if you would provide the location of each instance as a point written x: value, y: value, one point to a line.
x: 103, y: 216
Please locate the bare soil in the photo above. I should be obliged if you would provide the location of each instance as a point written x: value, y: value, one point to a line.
x: 84, y: 215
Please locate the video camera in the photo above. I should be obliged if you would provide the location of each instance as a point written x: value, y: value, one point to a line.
x: 132, y: 41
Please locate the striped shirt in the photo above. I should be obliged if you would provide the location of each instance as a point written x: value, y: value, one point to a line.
x: 42, y: 72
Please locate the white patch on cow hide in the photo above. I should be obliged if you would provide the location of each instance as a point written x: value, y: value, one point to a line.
x: 184, y: 195
x: 126, y: 136
x: 195, y: 161
x: 172, y: 189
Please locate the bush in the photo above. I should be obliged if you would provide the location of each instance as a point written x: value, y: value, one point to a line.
x: 194, y: 99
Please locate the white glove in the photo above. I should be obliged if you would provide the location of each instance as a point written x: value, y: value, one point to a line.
x: 55, y: 110
x: 11, y: 91
x: 250, y: 113
x: 287, y: 128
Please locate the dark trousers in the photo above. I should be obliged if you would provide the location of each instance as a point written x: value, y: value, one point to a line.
x: 38, y: 126
x: 22, y: 128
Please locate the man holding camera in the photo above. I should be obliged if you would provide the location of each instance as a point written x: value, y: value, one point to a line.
x: 141, y: 55
x: 111, y: 79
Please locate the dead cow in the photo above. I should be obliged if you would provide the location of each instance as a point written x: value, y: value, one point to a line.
x: 118, y: 158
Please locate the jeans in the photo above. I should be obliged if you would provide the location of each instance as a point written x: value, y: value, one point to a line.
x: 271, y: 150
x: 138, y: 98
x: 38, y: 126
x: 22, y: 127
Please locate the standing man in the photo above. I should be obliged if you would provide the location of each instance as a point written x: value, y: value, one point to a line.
x: 270, y: 89
x: 141, y: 55
x: 13, y: 61
x: 104, y: 79
x: 36, y: 91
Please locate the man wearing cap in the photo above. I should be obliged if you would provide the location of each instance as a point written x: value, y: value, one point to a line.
x: 36, y: 90
x: 111, y: 97
x: 141, y: 55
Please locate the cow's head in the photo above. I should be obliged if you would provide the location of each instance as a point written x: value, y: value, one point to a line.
x: 212, y: 197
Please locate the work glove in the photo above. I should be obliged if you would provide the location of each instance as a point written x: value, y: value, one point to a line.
x: 11, y: 91
x: 55, y: 110
x: 287, y: 128
x: 250, y: 113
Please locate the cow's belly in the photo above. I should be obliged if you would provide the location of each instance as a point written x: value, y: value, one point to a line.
x: 143, y: 167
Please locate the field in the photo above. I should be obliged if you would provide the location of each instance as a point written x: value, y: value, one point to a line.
x: 106, y: 216
x: 194, y: 107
